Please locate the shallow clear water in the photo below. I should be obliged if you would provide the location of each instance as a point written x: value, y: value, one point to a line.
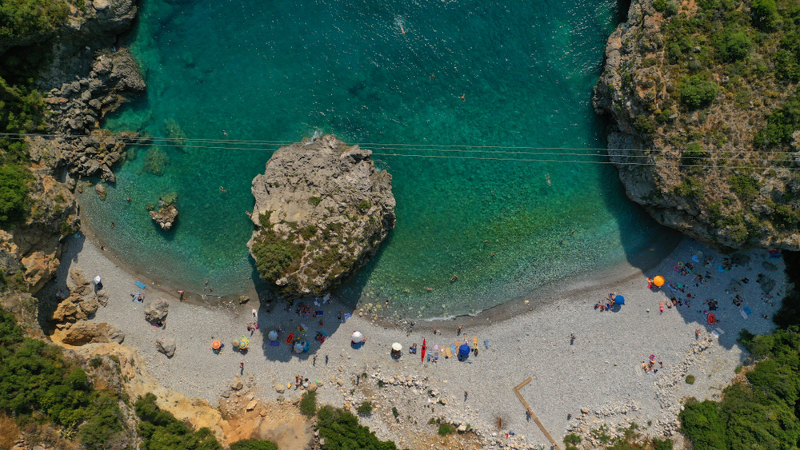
x: 278, y: 71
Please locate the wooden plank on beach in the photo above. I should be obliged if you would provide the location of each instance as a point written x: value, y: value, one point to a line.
x: 530, y: 411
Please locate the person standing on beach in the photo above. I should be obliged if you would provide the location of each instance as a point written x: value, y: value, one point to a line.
x: 572, y: 339
x: 241, y: 368
x: 314, y: 360
x: 459, y: 330
x: 181, y: 292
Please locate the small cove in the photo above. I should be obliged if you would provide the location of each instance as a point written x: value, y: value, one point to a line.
x: 230, y: 73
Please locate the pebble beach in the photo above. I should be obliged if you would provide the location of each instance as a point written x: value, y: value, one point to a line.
x: 576, y: 385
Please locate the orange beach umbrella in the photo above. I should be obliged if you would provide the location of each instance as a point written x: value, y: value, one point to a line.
x: 658, y: 281
x: 216, y: 345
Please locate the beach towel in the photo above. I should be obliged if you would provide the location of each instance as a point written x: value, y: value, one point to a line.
x: 453, y: 348
x: 141, y: 285
x: 274, y: 343
x: 447, y: 352
x: 486, y: 343
x: 475, y: 341
x: 743, y: 313
x: 319, y: 313
x: 347, y: 316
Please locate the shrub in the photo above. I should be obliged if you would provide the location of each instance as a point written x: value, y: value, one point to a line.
x: 659, y: 444
x: 308, y: 403
x: 254, y: 444
x: 572, y: 440
x: 445, y: 429
x: 14, y: 180
x: 690, y: 187
x: 693, y: 155
x: 744, y: 186
x: 314, y: 201
x: 365, y: 408
x: 364, y: 205
x: 697, y: 92
x: 781, y: 123
x: 734, y: 46
x: 689, y: 379
x: 308, y: 231
x: 660, y: 5
x: 642, y: 124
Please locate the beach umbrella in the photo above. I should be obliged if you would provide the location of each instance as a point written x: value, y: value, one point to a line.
x: 235, y: 343
x: 620, y: 300
x: 273, y: 335
x: 357, y: 337
x: 216, y: 345
x: 298, y: 347
x: 397, y: 347
x: 658, y: 281
x: 463, y: 350
x: 97, y: 279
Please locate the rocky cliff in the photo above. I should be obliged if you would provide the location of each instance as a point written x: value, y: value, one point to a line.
x: 84, y: 79
x: 322, y: 210
x: 692, y: 90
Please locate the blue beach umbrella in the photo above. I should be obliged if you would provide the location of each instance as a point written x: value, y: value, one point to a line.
x: 620, y: 300
x: 463, y: 350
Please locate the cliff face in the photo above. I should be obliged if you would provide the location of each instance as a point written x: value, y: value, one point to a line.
x: 690, y: 87
x: 82, y: 84
x: 322, y: 210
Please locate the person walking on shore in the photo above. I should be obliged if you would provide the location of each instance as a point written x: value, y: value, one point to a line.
x: 314, y: 360
x: 241, y: 368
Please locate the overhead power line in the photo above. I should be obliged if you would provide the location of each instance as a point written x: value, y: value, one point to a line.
x: 396, y: 150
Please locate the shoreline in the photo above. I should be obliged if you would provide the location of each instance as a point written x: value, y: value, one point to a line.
x: 633, y: 265
x: 600, y: 372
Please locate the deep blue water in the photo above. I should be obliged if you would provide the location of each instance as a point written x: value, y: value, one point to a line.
x: 278, y: 71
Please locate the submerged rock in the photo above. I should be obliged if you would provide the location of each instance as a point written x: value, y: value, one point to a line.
x: 322, y: 211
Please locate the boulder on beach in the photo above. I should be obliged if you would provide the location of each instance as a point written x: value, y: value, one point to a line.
x: 166, y: 346
x: 322, y: 211
x: 156, y: 311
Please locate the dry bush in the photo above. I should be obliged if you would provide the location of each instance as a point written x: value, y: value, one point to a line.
x: 9, y: 432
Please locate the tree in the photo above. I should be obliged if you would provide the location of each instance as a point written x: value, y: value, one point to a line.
x: 764, y: 14
x: 698, y: 92
x: 734, y: 46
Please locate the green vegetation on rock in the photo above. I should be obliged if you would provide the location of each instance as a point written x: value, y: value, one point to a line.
x: 274, y: 255
x: 38, y: 384
x: 14, y: 180
x: 341, y: 431
x: 308, y: 403
x: 253, y: 444
x: 26, y: 17
x: 162, y: 431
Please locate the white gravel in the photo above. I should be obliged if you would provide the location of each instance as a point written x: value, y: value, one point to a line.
x: 601, y: 371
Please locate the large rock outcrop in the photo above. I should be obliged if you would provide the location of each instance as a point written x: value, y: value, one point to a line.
x: 322, y: 210
x: 685, y: 119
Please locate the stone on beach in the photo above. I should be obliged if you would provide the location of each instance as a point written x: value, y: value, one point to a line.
x: 166, y: 346
x: 156, y: 311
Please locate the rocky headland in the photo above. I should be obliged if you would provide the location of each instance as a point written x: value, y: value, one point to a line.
x: 702, y: 102
x: 322, y: 210
x: 84, y: 78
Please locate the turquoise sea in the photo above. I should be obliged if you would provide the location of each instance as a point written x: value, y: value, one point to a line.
x: 240, y: 77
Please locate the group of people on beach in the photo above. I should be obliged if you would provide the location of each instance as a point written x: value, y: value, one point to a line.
x: 607, y: 303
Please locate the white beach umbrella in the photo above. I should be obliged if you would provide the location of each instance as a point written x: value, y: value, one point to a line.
x: 298, y: 347
x: 357, y: 337
x: 273, y: 335
x: 97, y: 279
x: 397, y: 347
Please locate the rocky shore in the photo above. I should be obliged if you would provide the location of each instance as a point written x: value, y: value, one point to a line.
x: 321, y: 212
